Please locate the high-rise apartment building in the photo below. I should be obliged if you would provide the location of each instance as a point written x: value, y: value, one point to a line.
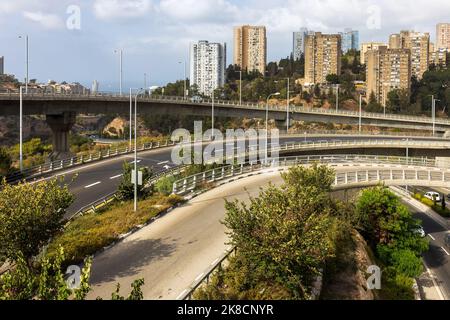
x: 370, y: 46
x: 419, y: 45
x: 322, y: 57
x: 443, y: 36
x: 386, y: 70
x: 207, y: 66
x: 250, y: 48
x: 298, y: 42
x: 439, y: 57
x: 2, y: 65
x: 350, y: 40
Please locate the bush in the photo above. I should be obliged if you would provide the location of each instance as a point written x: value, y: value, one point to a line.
x: 126, y: 188
x: 165, y: 185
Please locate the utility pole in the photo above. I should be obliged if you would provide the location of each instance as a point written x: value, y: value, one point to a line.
x: 212, y: 114
x: 120, y: 52
x: 27, y: 62
x: 287, y: 106
x: 131, y: 117
x: 360, y: 111
x: 136, y: 175
x: 184, y: 85
x: 240, y: 87
x: 20, y: 130
x: 337, y: 97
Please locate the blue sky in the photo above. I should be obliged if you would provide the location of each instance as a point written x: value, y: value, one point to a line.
x: 155, y: 34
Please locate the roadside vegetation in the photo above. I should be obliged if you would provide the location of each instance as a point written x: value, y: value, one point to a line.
x: 31, y: 215
x: 439, y: 207
x: 288, y: 236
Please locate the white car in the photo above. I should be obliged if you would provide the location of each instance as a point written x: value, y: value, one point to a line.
x: 433, y: 196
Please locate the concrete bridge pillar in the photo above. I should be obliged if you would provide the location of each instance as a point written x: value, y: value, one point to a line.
x: 61, y: 125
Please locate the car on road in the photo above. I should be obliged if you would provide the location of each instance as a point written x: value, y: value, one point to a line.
x: 432, y: 196
x: 447, y: 240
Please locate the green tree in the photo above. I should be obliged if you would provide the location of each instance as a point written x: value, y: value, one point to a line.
x: 373, y: 105
x: 283, y: 235
x: 126, y: 188
x: 333, y: 78
x: 30, y: 215
x: 48, y: 282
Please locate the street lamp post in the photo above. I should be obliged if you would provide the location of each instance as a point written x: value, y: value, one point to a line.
x: 287, y: 106
x: 337, y: 97
x: 26, y: 62
x: 212, y: 114
x: 267, y: 123
x: 360, y: 111
x: 240, y: 87
x: 120, y: 51
x: 433, y: 112
x: 20, y: 130
x: 184, y: 85
x: 131, y: 117
x: 136, y: 180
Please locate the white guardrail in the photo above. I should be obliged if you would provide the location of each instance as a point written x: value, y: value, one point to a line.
x: 58, y: 165
x: 414, y: 171
x: 228, y: 103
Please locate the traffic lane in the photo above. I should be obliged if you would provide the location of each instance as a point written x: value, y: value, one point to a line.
x: 436, y: 257
x: 174, y: 250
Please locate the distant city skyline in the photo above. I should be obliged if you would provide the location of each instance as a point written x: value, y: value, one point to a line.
x: 156, y: 35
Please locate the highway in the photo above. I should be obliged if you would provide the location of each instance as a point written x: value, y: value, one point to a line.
x: 99, y: 179
x: 174, y: 250
x: 437, y: 258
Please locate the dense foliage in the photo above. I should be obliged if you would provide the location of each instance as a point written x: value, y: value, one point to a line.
x: 30, y: 215
x: 126, y: 188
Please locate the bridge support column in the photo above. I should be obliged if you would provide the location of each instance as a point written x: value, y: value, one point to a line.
x: 61, y: 125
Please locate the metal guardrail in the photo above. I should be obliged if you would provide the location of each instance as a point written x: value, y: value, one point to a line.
x: 104, y: 201
x: 58, y: 165
x: 206, y: 276
x: 228, y: 103
x: 188, y: 184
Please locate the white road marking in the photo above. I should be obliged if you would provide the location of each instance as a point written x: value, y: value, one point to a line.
x: 181, y: 294
x: 137, y: 161
x: 163, y: 162
x: 115, y: 177
x: 436, y: 286
x: 199, y: 276
x: 91, y: 185
x: 214, y: 262
x: 431, y: 237
x: 446, y: 252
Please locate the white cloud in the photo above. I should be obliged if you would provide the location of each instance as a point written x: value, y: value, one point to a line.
x: 121, y: 9
x: 49, y: 21
x: 199, y: 10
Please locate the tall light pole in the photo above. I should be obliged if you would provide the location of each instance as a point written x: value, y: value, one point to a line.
x: 212, y: 113
x: 27, y: 64
x: 20, y: 129
x: 337, y: 97
x: 240, y: 87
x: 184, y: 70
x: 433, y: 113
x: 360, y: 111
x: 136, y: 180
x: 267, y: 122
x: 287, y: 105
x: 120, y: 51
x: 145, y: 81
x: 131, y: 117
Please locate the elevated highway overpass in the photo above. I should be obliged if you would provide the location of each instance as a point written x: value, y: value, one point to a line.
x: 61, y: 110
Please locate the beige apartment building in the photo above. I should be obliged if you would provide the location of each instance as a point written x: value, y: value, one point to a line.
x: 419, y: 45
x: 443, y: 36
x: 250, y: 48
x: 370, y: 46
x: 386, y: 70
x: 322, y: 57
